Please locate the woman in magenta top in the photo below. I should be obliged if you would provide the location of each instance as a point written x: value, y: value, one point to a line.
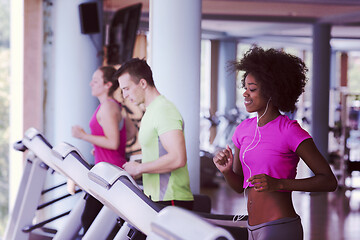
x: 108, y: 132
x: 268, y: 147
x: 102, y: 154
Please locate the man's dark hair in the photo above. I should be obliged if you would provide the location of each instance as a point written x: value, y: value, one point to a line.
x: 138, y: 69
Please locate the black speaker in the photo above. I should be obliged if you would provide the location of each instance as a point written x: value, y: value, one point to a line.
x: 89, y: 18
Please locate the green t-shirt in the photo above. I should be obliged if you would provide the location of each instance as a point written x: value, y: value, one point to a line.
x: 160, y: 117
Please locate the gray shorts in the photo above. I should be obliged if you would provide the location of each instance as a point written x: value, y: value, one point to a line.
x: 284, y: 228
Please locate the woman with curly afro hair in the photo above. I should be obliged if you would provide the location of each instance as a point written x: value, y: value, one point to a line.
x: 268, y: 147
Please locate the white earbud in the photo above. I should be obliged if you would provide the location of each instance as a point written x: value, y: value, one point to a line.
x: 248, y: 148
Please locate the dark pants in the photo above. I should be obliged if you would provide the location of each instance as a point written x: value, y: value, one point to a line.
x: 189, y: 205
x: 91, y: 210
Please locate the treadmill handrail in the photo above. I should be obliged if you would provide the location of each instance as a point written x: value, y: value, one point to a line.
x: 19, y: 146
x: 63, y: 149
x: 106, y: 174
x: 141, y: 194
x: 31, y: 133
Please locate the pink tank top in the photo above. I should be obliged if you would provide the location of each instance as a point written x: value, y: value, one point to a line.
x: 116, y: 157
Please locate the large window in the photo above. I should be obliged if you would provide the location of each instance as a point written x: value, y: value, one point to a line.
x: 354, y: 71
x: 4, y: 113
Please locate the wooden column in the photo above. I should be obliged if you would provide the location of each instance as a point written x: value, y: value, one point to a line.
x: 343, y: 69
x: 33, y: 65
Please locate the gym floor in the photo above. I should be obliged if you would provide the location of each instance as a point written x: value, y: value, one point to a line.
x: 325, y: 216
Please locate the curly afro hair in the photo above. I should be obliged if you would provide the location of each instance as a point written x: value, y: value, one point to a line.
x: 281, y: 76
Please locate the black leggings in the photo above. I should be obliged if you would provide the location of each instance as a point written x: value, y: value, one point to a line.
x: 91, y: 210
x: 189, y: 205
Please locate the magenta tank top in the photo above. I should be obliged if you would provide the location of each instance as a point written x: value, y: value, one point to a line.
x: 271, y: 150
x: 116, y: 157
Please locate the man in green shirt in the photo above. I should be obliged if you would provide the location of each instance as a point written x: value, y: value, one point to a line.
x: 164, y: 162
